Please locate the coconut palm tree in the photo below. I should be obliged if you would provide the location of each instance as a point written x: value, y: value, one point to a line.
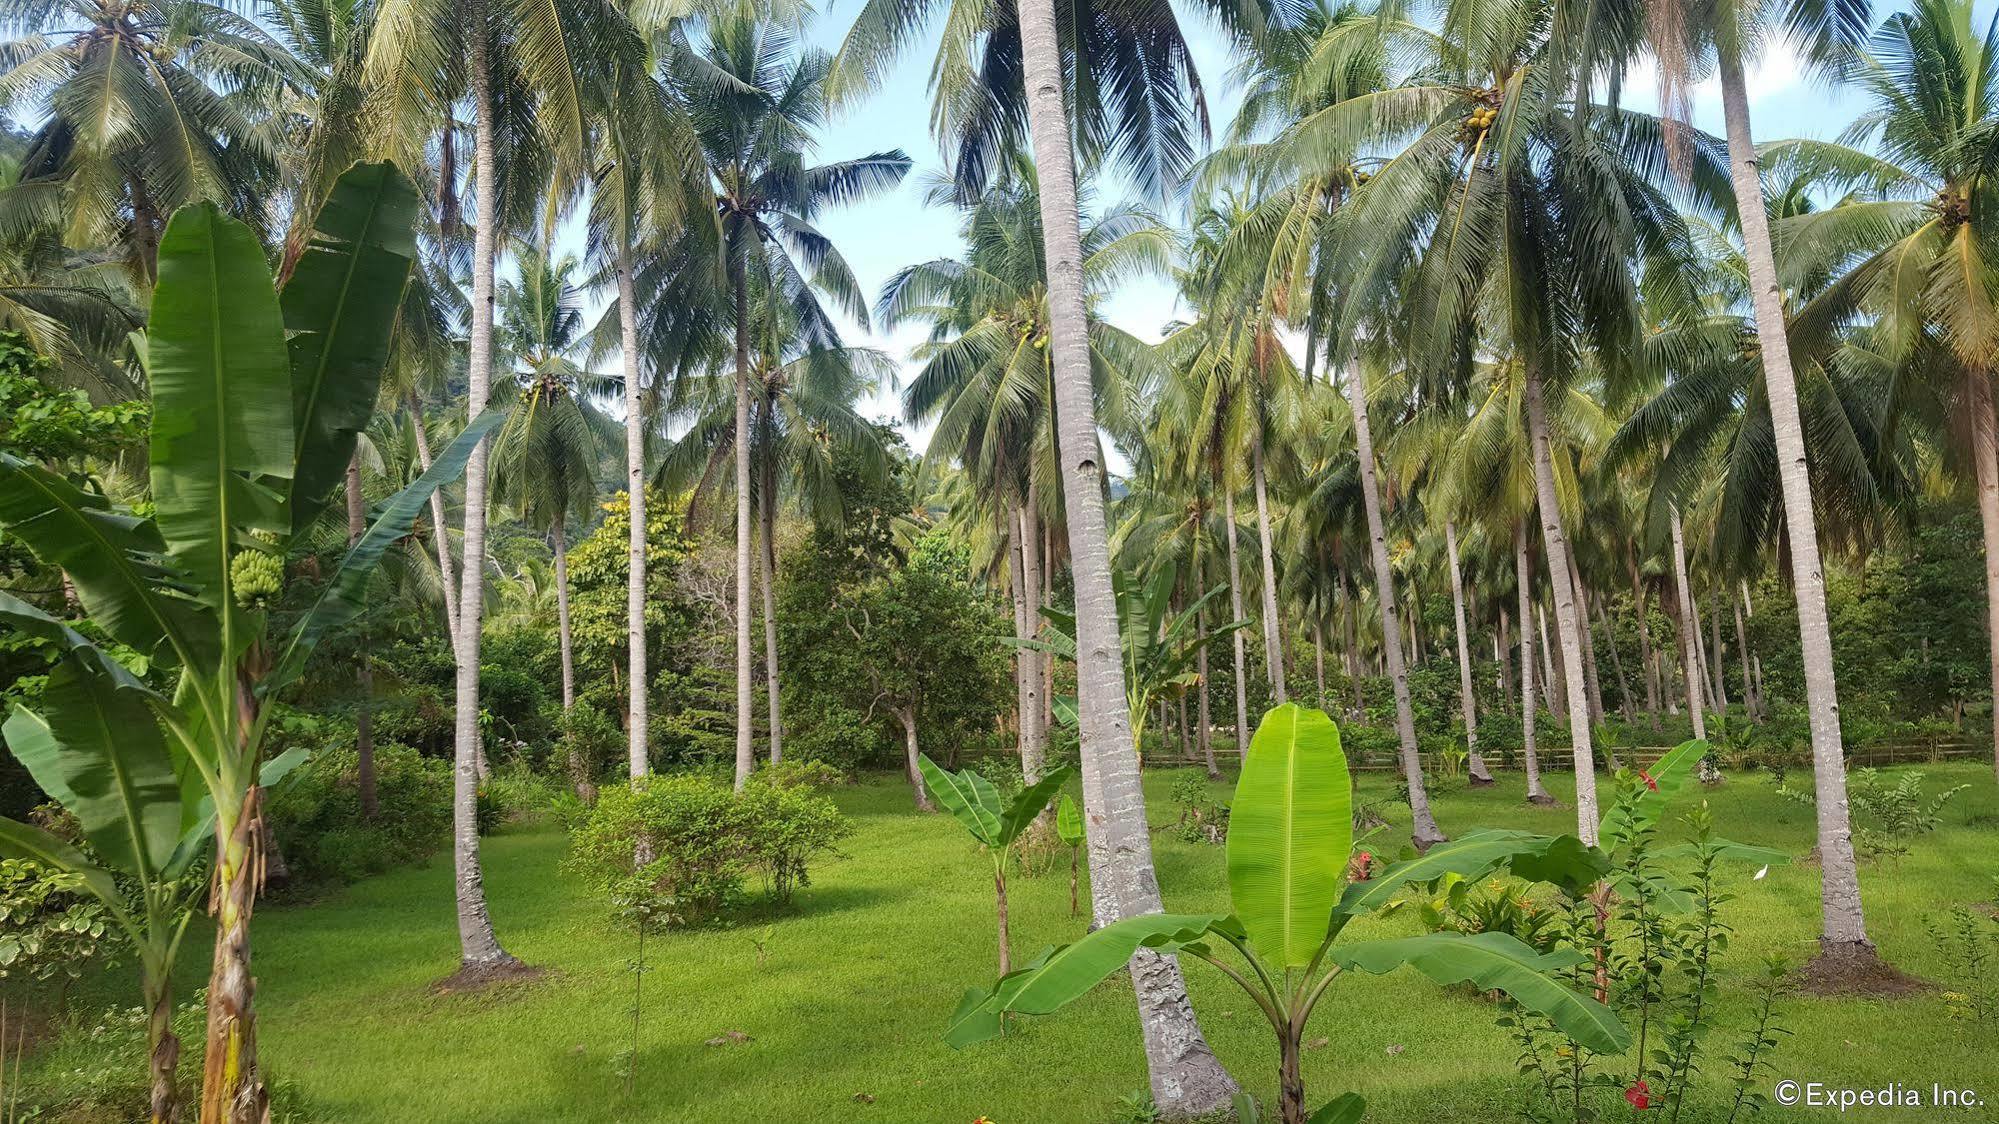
x: 754, y: 99
x: 546, y: 454
x: 1923, y: 202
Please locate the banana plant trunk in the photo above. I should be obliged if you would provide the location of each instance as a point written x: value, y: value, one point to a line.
x: 162, y: 1051
x: 1523, y: 570
x: 1186, y: 1078
x: 232, y: 1088
x: 1424, y: 829
x: 479, y: 947
x: 746, y: 760
x: 637, y: 718
x: 1273, y: 643
x: 1562, y: 591
x: 999, y: 910
x: 1844, y: 929
x: 1238, y: 645
x: 1474, y: 761
x: 1290, y: 1078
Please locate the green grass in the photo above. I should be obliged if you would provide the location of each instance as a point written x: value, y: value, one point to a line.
x: 850, y: 990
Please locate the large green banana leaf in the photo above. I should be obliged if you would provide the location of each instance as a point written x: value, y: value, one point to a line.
x: 339, y: 305
x: 99, y: 752
x: 969, y: 797
x: 1069, y: 822
x: 113, y: 558
x: 345, y: 594
x: 1067, y: 972
x: 1290, y: 831
x: 1030, y: 801
x: 222, y: 403
x: 1497, y: 962
x: 1472, y: 855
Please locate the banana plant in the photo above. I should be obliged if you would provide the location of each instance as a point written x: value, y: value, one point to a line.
x: 974, y: 802
x: 257, y: 398
x: 1290, y: 836
x: 1162, y: 647
x: 1069, y: 829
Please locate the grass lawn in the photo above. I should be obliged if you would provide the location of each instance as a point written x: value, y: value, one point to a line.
x: 843, y: 999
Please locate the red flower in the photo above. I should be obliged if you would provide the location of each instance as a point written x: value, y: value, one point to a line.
x: 1640, y: 1094
x: 1654, y: 786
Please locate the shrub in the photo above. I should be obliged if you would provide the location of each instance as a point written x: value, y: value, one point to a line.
x: 794, y: 773
x: 50, y: 926
x: 516, y: 793
x: 686, y: 843
x: 316, y: 812
x: 1886, y: 817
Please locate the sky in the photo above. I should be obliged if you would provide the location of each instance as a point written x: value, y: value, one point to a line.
x: 883, y: 235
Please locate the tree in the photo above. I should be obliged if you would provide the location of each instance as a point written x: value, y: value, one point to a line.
x: 754, y: 101
x: 546, y: 455
x: 247, y: 445
x: 997, y: 825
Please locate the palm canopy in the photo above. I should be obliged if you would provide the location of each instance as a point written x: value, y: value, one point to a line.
x: 1136, y: 101
x: 546, y: 456
x: 985, y: 379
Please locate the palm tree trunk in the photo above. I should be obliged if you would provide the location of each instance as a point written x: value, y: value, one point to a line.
x: 746, y: 759
x: 479, y: 948
x: 1319, y: 660
x: 768, y: 509
x: 1646, y: 655
x: 364, y: 666
x: 1033, y: 740
x: 1689, y: 641
x: 1350, y: 624
x: 1235, y: 638
x: 1423, y: 826
x: 1206, y: 734
x: 1273, y: 644
x: 447, y: 574
x: 1502, y: 651
x: 1562, y: 591
x: 1844, y: 929
x: 1187, y: 1080
x: 565, y: 639
x: 1751, y: 699
x: 1475, y: 763
x: 1592, y: 677
x: 1717, y: 663
x: 1550, y: 681
x: 1523, y: 572
x: 1624, y: 704
x: 637, y: 718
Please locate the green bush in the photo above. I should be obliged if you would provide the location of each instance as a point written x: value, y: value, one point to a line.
x: 687, y: 844
x: 516, y: 793
x: 316, y: 812
x: 50, y: 926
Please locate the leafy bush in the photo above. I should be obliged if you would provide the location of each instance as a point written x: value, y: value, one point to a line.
x: 686, y: 843
x: 794, y: 773
x: 1203, y: 819
x: 1886, y: 817
x: 517, y: 793
x: 50, y: 926
x: 316, y: 813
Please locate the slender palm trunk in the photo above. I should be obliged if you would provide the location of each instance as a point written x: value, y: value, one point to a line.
x: 1844, y: 929
x: 1718, y: 661
x: 1424, y: 828
x: 1206, y: 734
x: 1551, y: 682
x: 1751, y: 700
x: 1523, y: 571
x: 1562, y: 591
x: 1236, y: 641
x: 364, y: 668
x: 447, y: 574
x: 746, y: 760
x: 768, y: 567
x: 1187, y: 1080
x: 479, y: 947
x: 1624, y: 704
x: 1350, y: 625
x: 1646, y: 655
x: 565, y: 639
x: 1985, y: 471
x: 1592, y: 677
x: 1502, y: 652
x: 1033, y: 736
x: 1273, y: 643
x: 1475, y: 763
x: 1319, y: 660
x: 637, y: 718
x: 1689, y: 641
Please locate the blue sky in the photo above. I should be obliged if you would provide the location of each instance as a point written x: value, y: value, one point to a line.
x: 882, y: 236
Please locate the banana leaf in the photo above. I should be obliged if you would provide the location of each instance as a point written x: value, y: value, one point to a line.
x: 1497, y: 962
x: 1290, y: 831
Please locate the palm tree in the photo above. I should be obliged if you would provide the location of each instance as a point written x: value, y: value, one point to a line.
x: 1925, y: 207
x: 1001, y: 72
x: 546, y: 453
x: 111, y: 81
x: 805, y: 428
x: 986, y: 383
x: 754, y: 100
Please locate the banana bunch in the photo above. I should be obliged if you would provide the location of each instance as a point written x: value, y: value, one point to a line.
x: 256, y: 578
